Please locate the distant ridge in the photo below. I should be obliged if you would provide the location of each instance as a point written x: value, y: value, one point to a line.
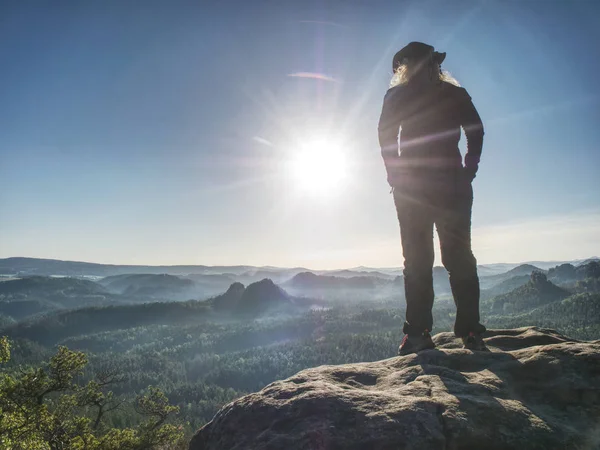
x: 537, y: 292
x: 309, y: 280
x: 23, y: 266
x: 586, y: 261
x: 520, y: 270
x: 38, y: 266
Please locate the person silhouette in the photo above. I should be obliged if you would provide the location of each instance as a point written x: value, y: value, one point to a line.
x: 431, y: 186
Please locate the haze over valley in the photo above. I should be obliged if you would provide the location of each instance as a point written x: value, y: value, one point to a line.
x: 207, y: 335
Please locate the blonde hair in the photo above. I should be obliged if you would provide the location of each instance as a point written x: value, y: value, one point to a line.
x: 403, y: 74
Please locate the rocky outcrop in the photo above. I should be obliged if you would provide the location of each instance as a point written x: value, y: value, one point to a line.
x: 262, y: 296
x: 536, y: 389
x: 230, y: 299
x: 255, y: 299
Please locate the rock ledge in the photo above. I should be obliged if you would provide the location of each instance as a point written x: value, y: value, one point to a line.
x: 536, y: 389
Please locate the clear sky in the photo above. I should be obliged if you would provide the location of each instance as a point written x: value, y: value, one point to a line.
x: 162, y: 132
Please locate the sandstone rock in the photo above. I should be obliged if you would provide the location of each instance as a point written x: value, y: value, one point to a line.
x: 536, y: 389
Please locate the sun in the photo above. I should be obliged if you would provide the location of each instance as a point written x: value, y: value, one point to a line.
x: 319, y: 165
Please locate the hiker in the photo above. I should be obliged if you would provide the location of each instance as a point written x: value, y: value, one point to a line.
x: 431, y: 186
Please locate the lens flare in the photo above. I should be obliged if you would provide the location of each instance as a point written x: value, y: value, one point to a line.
x: 319, y: 166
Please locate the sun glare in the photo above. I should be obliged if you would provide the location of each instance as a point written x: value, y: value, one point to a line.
x: 319, y: 165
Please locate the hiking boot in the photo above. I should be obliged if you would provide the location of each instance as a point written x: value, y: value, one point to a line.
x: 413, y: 343
x: 474, y: 342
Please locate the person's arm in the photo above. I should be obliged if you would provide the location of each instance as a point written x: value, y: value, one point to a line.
x: 388, y: 128
x: 473, y: 128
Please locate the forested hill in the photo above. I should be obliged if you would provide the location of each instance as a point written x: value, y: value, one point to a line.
x: 149, y: 285
x: 239, y: 301
x: 577, y: 315
x: 28, y: 296
x: 537, y: 292
x: 51, y: 328
x: 309, y: 280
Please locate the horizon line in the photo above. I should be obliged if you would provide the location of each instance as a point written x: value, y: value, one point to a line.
x: 557, y: 261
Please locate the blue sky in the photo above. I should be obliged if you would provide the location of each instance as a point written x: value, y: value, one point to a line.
x: 158, y: 132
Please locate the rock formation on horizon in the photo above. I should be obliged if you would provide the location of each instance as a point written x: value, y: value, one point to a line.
x: 230, y: 299
x: 536, y: 389
x: 262, y: 296
x: 257, y: 298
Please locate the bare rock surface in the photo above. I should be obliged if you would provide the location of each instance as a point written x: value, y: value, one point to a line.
x: 536, y: 389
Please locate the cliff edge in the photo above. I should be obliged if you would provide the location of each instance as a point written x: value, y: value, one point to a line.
x: 536, y: 389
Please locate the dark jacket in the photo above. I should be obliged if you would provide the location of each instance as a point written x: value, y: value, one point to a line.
x: 430, y: 122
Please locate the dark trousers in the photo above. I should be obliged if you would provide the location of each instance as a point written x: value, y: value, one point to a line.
x: 444, y: 200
